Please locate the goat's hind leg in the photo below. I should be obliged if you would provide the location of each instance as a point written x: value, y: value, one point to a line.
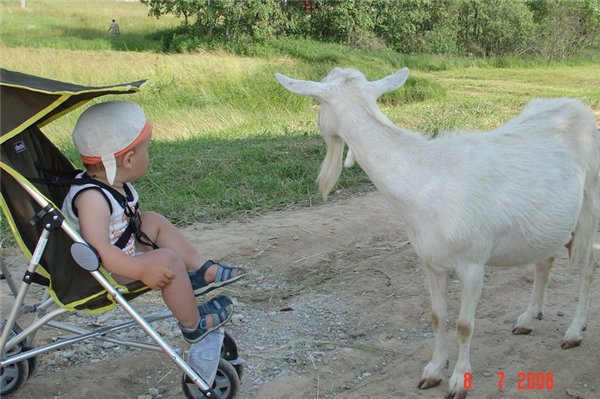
x: 573, y: 336
x: 582, y: 255
x: 538, y: 298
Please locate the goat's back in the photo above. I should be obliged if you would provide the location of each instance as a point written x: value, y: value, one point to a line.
x: 568, y: 119
x: 519, y: 188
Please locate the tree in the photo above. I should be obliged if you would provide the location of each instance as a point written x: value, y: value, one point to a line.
x: 552, y: 28
x: 496, y: 27
x: 342, y: 20
x: 418, y: 26
x: 224, y: 19
x: 177, y: 8
x: 568, y: 27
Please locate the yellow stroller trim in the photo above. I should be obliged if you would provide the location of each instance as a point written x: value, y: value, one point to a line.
x: 134, y: 288
x: 27, y: 156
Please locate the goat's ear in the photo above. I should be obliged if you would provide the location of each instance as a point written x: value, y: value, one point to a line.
x: 303, y: 87
x: 391, y: 82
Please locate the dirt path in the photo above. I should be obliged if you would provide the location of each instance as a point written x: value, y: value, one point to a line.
x: 336, y: 306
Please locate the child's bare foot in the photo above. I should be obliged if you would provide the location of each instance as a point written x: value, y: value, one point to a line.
x: 213, y: 275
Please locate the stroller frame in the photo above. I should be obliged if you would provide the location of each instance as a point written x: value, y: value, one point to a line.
x: 18, y: 355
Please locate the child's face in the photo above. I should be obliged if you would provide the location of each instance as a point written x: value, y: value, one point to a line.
x: 140, y: 158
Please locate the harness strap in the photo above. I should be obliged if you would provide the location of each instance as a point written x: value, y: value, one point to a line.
x: 135, y: 222
x: 61, y: 177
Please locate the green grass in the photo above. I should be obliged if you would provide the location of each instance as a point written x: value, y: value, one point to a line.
x: 483, y: 98
x: 222, y: 179
x: 80, y: 25
x: 228, y: 140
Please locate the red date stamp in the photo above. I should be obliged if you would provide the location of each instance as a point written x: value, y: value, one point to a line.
x: 527, y: 381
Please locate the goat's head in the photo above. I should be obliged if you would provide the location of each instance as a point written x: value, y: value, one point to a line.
x: 338, y: 90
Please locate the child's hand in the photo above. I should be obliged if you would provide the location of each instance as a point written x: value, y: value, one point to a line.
x: 156, y: 276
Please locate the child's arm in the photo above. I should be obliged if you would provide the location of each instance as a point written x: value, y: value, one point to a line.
x: 94, y: 219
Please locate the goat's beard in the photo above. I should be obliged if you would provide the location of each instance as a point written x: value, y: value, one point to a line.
x: 331, y: 166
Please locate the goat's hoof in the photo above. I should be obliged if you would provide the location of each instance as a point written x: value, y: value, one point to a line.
x: 427, y: 383
x: 521, y: 330
x: 456, y: 395
x: 570, y: 344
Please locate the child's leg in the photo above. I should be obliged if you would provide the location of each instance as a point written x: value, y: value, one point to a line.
x: 165, y: 235
x: 178, y: 295
x: 195, y: 321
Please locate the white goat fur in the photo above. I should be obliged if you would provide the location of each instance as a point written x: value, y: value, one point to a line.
x: 511, y: 196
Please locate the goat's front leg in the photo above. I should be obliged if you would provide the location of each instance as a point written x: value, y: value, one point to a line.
x: 538, y: 298
x: 437, y: 281
x: 471, y: 276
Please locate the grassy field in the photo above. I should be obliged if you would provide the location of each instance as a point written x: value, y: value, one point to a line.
x: 80, y: 25
x: 228, y: 139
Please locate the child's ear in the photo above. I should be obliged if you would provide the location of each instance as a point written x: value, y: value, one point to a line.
x: 127, y: 160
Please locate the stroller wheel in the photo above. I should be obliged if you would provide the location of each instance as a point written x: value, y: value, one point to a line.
x: 229, y: 349
x: 13, y: 377
x: 33, y: 364
x: 226, y: 383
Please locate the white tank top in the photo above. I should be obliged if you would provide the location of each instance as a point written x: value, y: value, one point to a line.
x: 118, y: 219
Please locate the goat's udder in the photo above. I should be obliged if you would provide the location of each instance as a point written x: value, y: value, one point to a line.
x: 568, y: 245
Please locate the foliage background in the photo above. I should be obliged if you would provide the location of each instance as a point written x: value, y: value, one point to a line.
x: 550, y: 29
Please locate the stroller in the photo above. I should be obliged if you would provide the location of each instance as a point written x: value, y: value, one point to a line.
x: 60, y: 260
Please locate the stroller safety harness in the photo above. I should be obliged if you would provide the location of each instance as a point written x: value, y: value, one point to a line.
x: 59, y: 258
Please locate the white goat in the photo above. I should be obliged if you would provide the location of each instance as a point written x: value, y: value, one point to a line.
x: 511, y: 196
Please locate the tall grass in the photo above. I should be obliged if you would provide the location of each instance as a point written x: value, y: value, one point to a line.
x: 81, y: 25
x: 228, y: 140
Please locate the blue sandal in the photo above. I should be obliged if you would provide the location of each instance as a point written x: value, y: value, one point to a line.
x: 220, y: 308
x: 225, y: 275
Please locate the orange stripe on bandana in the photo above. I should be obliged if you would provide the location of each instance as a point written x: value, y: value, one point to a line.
x: 141, y: 137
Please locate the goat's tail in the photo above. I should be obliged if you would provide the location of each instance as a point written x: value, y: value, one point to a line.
x: 331, y: 166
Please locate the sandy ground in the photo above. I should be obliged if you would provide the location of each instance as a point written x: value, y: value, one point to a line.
x: 336, y: 306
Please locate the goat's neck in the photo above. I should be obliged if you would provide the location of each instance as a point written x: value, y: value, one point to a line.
x: 402, y: 164
x: 381, y: 147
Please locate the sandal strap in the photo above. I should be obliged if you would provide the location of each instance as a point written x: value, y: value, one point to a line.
x: 220, y: 308
x: 198, y: 275
x: 219, y: 317
x: 225, y: 273
x: 203, y: 322
x: 216, y: 319
x: 217, y: 307
x: 205, y: 266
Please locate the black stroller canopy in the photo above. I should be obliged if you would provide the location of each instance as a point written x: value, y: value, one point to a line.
x: 32, y: 100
